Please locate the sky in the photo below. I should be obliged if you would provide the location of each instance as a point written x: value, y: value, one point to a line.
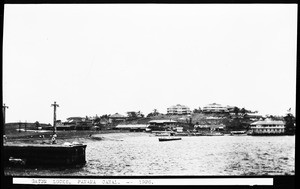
x: 108, y: 58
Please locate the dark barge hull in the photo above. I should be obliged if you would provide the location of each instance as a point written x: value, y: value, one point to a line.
x: 45, y: 155
x: 168, y: 139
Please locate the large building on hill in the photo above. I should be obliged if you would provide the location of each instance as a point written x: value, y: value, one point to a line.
x: 215, y: 108
x: 179, y: 110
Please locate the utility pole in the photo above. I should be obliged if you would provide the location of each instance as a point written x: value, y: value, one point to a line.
x: 3, y: 109
x: 54, y: 117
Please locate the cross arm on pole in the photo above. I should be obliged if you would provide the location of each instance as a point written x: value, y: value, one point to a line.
x: 4, y: 106
x: 55, y: 105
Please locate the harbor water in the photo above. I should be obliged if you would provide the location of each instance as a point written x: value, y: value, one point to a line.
x: 141, y: 154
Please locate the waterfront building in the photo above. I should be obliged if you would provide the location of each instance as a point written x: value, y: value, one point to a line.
x: 133, y: 127
x: 179, y: 129
x: 161, y: 125
x: 268, y: 127
x: 215, y: 108
x: 219, y: 127
x: 179, y: 110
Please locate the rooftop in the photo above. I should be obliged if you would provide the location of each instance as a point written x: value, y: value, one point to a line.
x: 178, y: 106
x: 162, y: 121
x: 116, y: 115
x: 268, y: 122
x: 132, y: 126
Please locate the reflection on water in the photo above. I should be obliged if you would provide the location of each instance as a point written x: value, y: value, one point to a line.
x: 138, y: 154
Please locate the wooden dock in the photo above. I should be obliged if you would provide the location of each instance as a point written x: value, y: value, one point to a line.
x: 46, y: 154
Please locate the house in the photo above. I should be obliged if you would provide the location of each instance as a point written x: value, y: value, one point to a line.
x: 79, y: 123
x: 62, y: 126
x: 179, y: 129
x: 253, y: 116
x: 215, y: 108
x: 116, y: 118
x: 161, y: 125
x: 268, y: 127
x: 219, y: 127
x: 179, y: 110
x: 133, y: 127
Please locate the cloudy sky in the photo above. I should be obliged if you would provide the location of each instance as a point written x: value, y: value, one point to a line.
x: 105, y: 58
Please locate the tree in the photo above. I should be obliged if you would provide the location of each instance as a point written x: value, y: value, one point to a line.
x: 139, y: 114
x: 154, y: 113
x: 132, y: 114
x: 243, y: 111
x: 290, y: 121
x: 236, y: 110
x: 105, y: 116
x: 197, y: 110
x: 150, y: 115
x: 37, y: 124
x: 97, y: 120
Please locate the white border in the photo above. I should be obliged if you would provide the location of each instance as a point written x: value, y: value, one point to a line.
x: 151, y: 181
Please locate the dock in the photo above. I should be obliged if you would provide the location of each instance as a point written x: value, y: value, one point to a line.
x: 45, y: 154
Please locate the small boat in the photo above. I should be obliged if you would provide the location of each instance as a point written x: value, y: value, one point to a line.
x: 168, y: 139
x: 238, y: 133
x: 162, y: 134
x: 181, y: 134
x: 213, y: 134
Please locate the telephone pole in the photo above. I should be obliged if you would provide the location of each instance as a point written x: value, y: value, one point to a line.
x: 3, y: 109
x: 54, y: 117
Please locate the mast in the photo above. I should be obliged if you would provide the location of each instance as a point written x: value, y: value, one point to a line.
x: 54, y: 117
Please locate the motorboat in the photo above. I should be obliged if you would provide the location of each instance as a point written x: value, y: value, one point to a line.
x: 238, y: 133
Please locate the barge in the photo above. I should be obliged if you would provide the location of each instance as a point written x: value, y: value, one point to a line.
x: 45, y: 154
x: 168, y: 139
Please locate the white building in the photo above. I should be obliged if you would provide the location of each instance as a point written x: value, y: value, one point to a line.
x: 215, y: 108
x: 268, y: 127
x: 179, y: 110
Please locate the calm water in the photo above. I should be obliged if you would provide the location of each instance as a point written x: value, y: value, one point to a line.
x: 140, y: 154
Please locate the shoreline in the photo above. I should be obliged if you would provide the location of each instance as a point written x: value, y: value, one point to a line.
x: 44, y: 137
x: 81, y: 136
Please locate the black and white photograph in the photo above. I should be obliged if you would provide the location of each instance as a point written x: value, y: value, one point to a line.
x: 149, y: 90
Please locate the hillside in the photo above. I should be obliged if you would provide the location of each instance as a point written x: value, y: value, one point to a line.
x: 200, y: 119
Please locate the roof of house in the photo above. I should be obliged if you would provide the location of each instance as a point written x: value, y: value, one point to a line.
x: 268, y: 122
x: 75, y: 118
x: 163, y: 121
x: 116, y: 115
x: 132, y: 126
x: 210, y: 126
x: 253, y: 115
x: 215, y: 106
x: 178, y: 106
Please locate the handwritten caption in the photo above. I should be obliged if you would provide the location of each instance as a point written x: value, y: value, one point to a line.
x: 46, y: 181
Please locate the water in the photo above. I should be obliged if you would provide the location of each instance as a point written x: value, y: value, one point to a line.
x: 138, y: 154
